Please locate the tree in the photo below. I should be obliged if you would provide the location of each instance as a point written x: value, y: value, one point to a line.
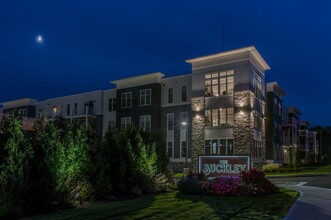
x: 16, y: 155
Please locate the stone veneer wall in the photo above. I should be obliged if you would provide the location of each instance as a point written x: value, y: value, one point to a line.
x: 243, y: 123
x: 198, y: 124
x: 244, y: 103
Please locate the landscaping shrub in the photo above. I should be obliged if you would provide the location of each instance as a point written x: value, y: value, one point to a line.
x: 256, y: 184
x: 132, y: 162
x: 271, y: 167
x: 223, y: 186
x: 189, y: 185
x: 15, y: 157
x: 250, y: 183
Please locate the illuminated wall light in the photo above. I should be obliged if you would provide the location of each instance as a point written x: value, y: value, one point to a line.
x: 241, y: 112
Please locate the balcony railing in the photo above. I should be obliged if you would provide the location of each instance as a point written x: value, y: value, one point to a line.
x: 81, y: 112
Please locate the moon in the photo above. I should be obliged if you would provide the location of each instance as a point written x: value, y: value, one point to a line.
x: 39, y: 39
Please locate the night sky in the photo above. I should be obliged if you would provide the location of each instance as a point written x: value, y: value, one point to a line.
x: 86, y: 44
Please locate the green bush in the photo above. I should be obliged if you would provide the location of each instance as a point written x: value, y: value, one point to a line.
x: 132, y: 161
x: 15, y: 157
x: 271, y: 167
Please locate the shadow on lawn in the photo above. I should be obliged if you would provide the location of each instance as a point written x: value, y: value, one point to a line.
x: 274, y: 206
x: 102, y: 210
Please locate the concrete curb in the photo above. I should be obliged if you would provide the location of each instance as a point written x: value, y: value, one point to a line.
x: 293, y: 206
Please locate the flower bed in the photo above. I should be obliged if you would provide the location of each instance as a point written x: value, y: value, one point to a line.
x: 251, y: 183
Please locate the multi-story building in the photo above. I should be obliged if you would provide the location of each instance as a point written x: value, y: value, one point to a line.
x: 25, y: 108
x: 304, y: 139
x: 219, y: 108
x: 274, y: 119
x: 290, y: 125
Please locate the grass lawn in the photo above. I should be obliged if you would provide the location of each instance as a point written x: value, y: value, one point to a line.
x: 176, y: 205
x: 314, y: 170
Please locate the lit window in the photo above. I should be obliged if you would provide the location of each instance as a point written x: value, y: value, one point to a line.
x: 219, y: 146
x: 145, y: 97
x: 217, y: 84
x: 219, y: 117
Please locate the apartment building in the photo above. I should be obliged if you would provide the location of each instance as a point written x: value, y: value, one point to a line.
x: 219, y: 108
x: 274, y: 119
x: 290, y: 126
x: 24, y: 107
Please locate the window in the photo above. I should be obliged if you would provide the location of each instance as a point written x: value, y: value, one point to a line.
x: 257, y: 85
x: 219, y: 146
x: 257, y: 120
x: 22, y: 112
x: 68, y: 110
x: 170, y: 95
x: 217, y: 84
x: 275, y: 105
x: 170, y: 122
x: 125, y: 122
x: 169, y: 149
x: 126, y: 99
x: 112, y: 105
x: 75, y: 108
x: 279, y: 109
x: 219, y: 117
x: 145, y: 122
x: 184, y: 93
x: 183, y: 117
x: 145, y: 97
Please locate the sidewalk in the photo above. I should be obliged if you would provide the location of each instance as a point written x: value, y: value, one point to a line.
x: 314, y: 203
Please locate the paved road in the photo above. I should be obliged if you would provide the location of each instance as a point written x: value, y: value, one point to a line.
x: 317, y: 181
x: 314, y: 203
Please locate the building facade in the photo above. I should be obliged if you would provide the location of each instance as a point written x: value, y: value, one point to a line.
x: 222, y: 107
x: 274, y: 120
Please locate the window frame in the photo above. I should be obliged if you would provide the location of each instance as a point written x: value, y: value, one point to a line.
x: 126, y: 100
x: 143, y: 94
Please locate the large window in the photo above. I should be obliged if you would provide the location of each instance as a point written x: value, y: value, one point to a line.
x: 221, y: 83
x: 145, y: 97
x: 125, y: 122
x: 126, y: 100
x: 257, y: 84
x: 112, y: 105
x: 170, y: 95
x: 184, y: 93
x: 219, y: 146
x: 257, y: 120
x: 219, y: 117
x: 145, y: 122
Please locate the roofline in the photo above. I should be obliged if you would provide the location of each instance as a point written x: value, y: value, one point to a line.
x: 250, y: 49
x: 278, y: 88
x: 77, y: 94
x: 138, y: 77
x: 18, y: 100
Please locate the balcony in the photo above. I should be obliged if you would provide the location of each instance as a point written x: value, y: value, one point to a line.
x: 75, y: 113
